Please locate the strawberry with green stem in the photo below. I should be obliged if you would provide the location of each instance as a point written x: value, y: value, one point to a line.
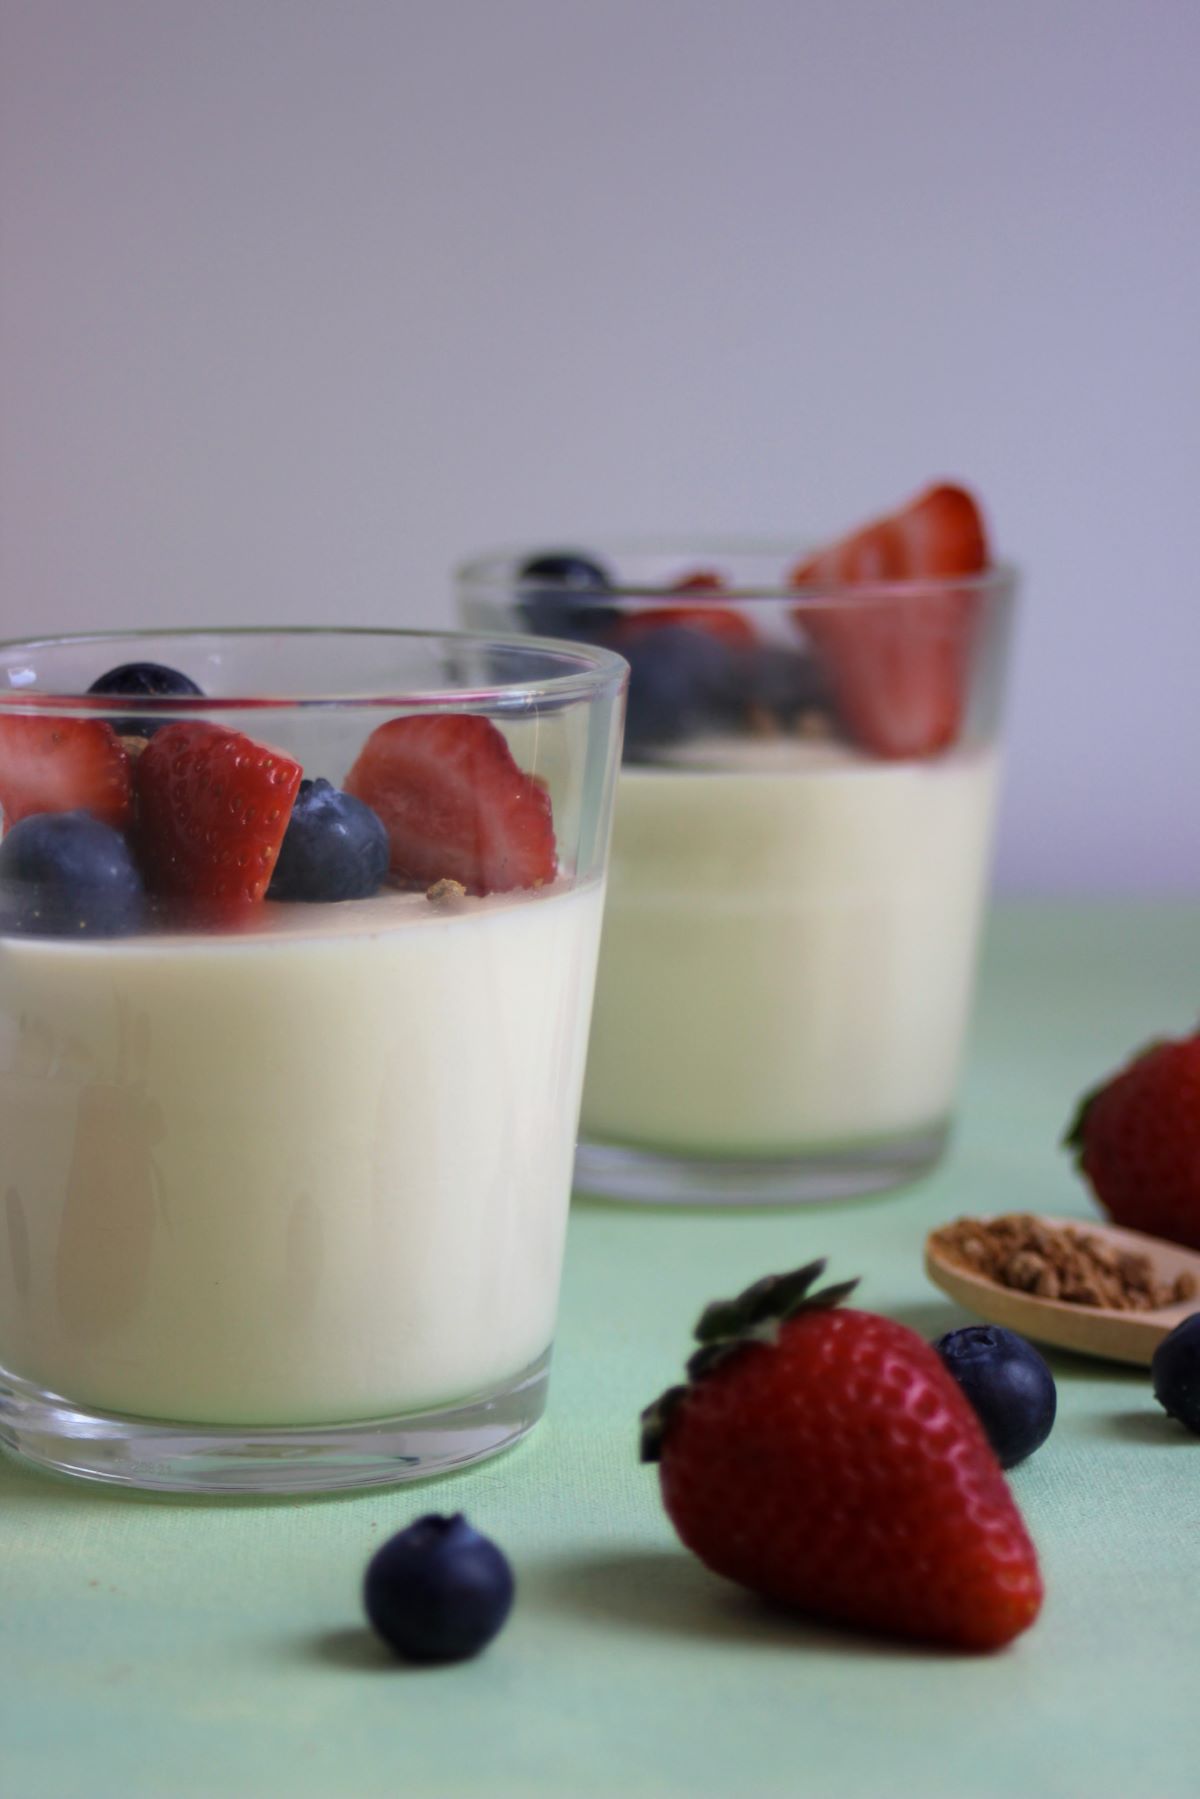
x: 1136, y: 1141
x: 824, y: 1458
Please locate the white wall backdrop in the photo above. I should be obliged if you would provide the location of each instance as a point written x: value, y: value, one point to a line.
x: 300, y: 299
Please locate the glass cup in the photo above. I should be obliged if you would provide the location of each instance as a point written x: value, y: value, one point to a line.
x: 286, y: 1178
x: 799, y: 863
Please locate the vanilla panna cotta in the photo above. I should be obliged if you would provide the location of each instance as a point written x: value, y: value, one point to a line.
x: 294, y: 1005
x: 800, y: 847
x: 311, y: 1171
x: 792, y: 935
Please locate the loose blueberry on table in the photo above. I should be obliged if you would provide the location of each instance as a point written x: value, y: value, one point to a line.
x: 1007, y: 1382
x: 438, y: 1591
x: 1175, y: 1371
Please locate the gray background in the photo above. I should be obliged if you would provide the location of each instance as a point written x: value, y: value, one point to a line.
x: 300, y: 300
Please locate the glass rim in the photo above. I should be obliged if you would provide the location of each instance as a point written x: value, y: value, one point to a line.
x: 496, y: 573
x: 595, y: 671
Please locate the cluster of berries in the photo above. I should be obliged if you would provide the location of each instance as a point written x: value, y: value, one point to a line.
x: 891, y: 669
x: 111, y: 826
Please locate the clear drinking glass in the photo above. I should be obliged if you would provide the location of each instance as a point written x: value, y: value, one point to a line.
x: 799, y: 864
x: 286, y: 1179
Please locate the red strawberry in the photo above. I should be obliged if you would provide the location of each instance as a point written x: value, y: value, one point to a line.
x: 728, y: 627
x: 213, y: 806
x: 1137, y: 1142
x: 456, y: 805
x: 827, y: 1460
x: 701, y: 580
x: 900, y: 666
x: 63, y: 765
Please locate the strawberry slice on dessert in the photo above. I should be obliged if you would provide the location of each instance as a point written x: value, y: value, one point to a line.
x: 455, y: 804
x: 727, y: 626
x: 701, y: 580
x: 63, y: 765
x: 899, y: 665
x: 213, y: 806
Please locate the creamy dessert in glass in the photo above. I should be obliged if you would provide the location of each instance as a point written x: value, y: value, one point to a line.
x: 800, y: 852
x: 298, y: 935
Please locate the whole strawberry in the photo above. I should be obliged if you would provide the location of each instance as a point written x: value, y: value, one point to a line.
x: 1137, y: 1142
x: 824, y: 1458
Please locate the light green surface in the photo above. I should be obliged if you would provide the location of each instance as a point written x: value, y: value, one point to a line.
x: 153, y: 1647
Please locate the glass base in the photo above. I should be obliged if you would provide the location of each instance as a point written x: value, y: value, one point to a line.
x: 647, y: 1177
x: 252, y: 1461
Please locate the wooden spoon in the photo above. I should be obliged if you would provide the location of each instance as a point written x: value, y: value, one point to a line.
x: 1088, y: 1330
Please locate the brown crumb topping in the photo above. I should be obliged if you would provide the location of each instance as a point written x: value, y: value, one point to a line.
x: 1060, y: 1262
x: 761, y: 721
x: 444, y: 891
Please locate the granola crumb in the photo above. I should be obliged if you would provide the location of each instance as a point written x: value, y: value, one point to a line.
x: 761, y: 721
x: 445, y: 892
x: 813, y: 725
x: 1060, y: 1262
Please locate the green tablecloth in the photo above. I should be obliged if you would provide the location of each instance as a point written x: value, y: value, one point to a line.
x: 153, y: 1647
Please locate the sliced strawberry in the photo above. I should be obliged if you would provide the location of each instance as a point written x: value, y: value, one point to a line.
x: 213, y: 806
x: 939, y: 533
x: 63, y: 765
x: 456, y: 805
x: 727, y: 626
x: 701, y: 580
x: 900, y: 665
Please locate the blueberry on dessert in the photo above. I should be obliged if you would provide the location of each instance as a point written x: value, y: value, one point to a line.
x: 560, y: 594
x: 1009, y: 1385
x: 143, y: 680
x: 682, y: 681
x: 65, y: 874
x: 335, y: 848
x: 438, y: 1591
x: 784, y: 689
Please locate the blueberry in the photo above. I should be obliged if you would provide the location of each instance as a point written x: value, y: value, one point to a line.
x: 438, y: 1592
x: 783, y: 682
x: 682, y: 681
x: 1009, y: 1385
x: 143, y: 680
x: 64, y: 874
x: 335, y: 848
x: 558, y: 596
x: 1175, y: 1371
